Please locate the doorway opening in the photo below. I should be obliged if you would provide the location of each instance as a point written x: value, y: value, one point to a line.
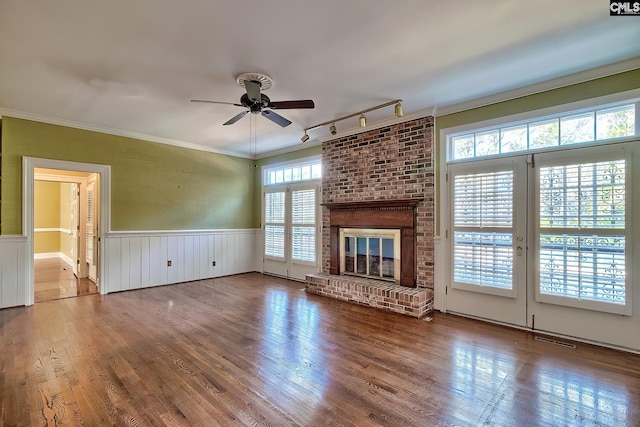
x: 66, y: 256
x: 65, y: 227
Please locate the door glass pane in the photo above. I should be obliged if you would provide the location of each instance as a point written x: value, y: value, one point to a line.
x: 274, y: 240
x: 483, y: 257
x: 303, y: 243
x: 361, y: 255
x: 374, y: 256
x: 388, y: 261
x: 274, y: 207
x: 349, y: 254
x: 581, y: 241
x: 274, y: 224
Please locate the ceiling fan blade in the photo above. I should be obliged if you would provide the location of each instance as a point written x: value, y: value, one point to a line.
x: 253, y: 89
x: 276, y: 118
x: 235, y: 118
x: 284, y: 105
x: 216, y: 102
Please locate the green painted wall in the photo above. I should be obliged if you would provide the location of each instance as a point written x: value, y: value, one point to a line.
x: 46, y: 214
x: 280, y: 158
x: 153, y: 186
x: 604, y: 86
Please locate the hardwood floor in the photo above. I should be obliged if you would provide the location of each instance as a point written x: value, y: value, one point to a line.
x: 54, y: 279
x: 256, y: 350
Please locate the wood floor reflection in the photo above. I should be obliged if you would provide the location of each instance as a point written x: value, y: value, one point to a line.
x: 54, y: 279
x: 256, y: 350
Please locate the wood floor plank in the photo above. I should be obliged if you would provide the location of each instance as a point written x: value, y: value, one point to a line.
x: 255, y: 350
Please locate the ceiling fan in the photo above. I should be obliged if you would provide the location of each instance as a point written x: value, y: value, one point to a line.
x: 257, y: 102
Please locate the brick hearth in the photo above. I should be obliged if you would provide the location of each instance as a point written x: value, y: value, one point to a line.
x: 415, y: 302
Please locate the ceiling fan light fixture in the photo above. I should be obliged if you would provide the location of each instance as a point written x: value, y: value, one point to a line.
x: 362, y: 121
x: 398, y: 110
x: 304, y: 138
x: 333, y: 129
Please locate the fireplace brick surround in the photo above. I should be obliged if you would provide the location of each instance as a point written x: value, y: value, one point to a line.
x: 377, y: 167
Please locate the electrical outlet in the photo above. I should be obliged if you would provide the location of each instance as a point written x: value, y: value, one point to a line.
x: 169, y: 263
x: 213, y: 264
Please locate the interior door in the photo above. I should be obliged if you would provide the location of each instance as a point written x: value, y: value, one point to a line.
x: 487, y: 239
x: 91, y: 228
x: 75, y: 226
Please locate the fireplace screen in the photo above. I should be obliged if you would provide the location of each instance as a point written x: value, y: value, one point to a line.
x: 371, y: 253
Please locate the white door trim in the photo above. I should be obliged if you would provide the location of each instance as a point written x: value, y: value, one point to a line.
x: 28, y: 176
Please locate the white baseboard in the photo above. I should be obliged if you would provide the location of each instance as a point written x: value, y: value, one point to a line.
x: 44, y: 255
x: 66, y: 259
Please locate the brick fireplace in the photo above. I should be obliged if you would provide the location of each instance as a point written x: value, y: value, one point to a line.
x: 387, y: 174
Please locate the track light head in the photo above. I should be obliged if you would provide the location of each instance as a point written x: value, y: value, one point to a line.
x: 304, y: 138
x: 333, y: 129
x: 362, y: 120
x: 399, y: 112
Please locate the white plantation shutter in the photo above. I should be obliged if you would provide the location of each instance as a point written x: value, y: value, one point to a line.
x: 303, y: 225
x: 581, y: 241
x: 483, y: 229
x: 89, y: 225
x: 274, y: 203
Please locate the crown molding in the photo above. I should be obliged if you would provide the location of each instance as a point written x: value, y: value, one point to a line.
x: 557, y: 83
x: 111, y: 131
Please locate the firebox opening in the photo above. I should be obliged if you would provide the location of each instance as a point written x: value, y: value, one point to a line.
x: 370, y: 252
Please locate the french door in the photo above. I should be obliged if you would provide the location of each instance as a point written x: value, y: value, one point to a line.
x: 488, y: 240
x: 291, y: 229
x: 545, y: 241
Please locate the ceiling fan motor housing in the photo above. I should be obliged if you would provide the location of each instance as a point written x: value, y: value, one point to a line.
x: 253, y: 106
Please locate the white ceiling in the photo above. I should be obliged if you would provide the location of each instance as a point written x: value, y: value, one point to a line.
x: 131, y: 67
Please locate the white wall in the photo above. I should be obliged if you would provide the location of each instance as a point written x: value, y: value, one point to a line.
x: 139, y: 259
x: 136, y: 260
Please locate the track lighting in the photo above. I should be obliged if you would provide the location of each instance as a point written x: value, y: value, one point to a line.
x: 362, y: 120
x: 399, y: 112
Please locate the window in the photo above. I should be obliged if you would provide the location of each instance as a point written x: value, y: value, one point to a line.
x: 293, y: 173
x: 292, y: 218
x: 483, y: 221
x: 274, y: 224
x: 569, y: 128
x: 582, y: 223
x: 303, y: 229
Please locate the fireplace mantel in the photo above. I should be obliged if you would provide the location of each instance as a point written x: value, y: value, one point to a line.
x: 374, y: 204
x: 396, y: 214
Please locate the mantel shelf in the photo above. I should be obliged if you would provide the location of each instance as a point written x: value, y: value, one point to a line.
x: 373, y: 204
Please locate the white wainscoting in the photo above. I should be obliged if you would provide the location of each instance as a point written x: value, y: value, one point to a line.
x: 140, y: 259
x: 13, y: 261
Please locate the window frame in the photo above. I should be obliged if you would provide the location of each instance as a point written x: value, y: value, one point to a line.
x: 534, y: 117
